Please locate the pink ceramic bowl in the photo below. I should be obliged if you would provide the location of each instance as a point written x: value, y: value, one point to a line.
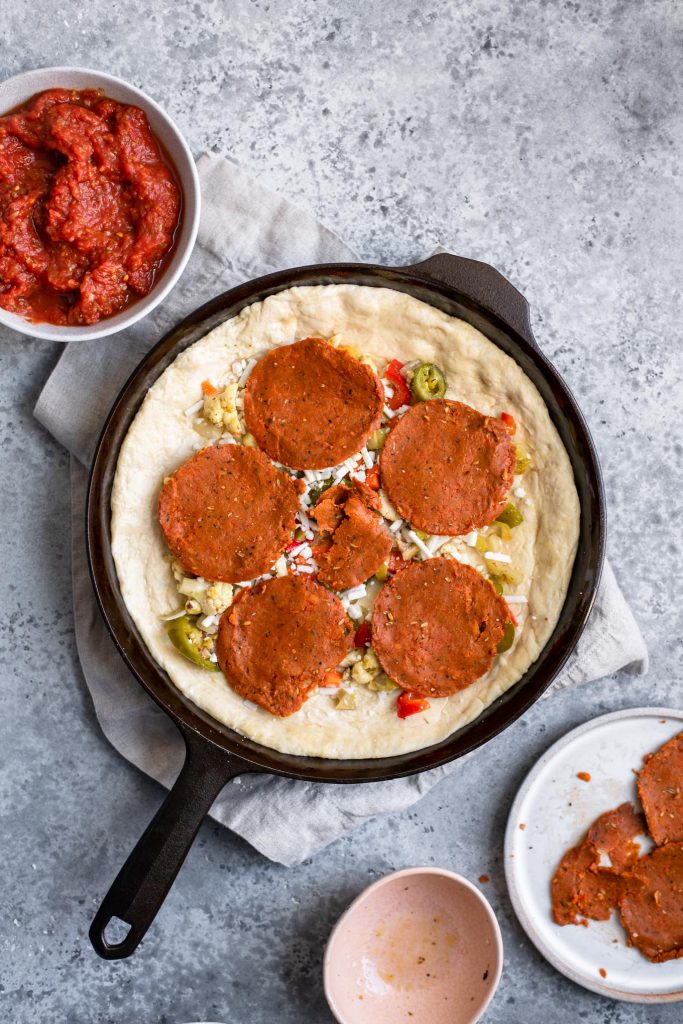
x: 421, y: 946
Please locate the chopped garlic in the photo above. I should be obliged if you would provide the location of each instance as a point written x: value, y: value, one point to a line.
x: 192, y: 587
x: 367, y: 669
x: 217, y: 598
x: 351, y: 658
x: 221, y: 410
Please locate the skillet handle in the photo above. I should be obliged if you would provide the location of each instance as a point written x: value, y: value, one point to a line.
x: 143, y: 882
x: 482, y: 283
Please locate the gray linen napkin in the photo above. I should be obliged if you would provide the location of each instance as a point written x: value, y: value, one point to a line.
x: 246, y: 230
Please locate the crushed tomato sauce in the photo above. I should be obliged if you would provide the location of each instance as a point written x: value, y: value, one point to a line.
x: 89, y: 207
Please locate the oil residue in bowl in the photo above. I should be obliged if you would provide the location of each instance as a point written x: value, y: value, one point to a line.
x: 418, y: 948
x: 410, y: 950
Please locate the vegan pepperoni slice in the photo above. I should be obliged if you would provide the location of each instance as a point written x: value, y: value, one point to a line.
x: 436, y: 626
x: 652, y: 906
x: 612, y: 836
x: 279, y: 639
x: 227, y: 513
x: 360, y: 543
x: 447, y: 468
x: 582, y: 887
x: 660, y: 788
x: 310, y: 405
x: 579, y: 892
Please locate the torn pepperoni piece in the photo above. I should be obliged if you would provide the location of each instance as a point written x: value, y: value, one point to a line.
x: 227, y: 513
x: 279, y: 640
x: 310, y: 405
x: 329, y: 508
x: 447, y: 468
x: 369, y: 494
x: 583, y: 887
x: 652, y: 905
x: 579, y: 891
x: 360, y: 543
x: 612, y: 836
x: 436, y: 626
x: 660, y: 788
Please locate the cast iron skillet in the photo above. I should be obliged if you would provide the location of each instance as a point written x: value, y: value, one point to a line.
x: 464, y: 288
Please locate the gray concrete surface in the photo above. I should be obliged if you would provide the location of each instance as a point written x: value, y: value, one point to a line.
x: 543, y: 137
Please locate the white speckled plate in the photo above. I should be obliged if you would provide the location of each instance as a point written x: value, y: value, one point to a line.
x: 556, y: 808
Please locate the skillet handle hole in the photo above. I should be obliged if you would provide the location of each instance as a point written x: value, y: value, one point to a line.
x: 116, y: 931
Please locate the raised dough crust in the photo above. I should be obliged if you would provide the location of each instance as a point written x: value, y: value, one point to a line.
x: 385, y: 324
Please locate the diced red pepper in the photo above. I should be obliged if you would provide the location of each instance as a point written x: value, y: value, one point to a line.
x: 208, y: 390
x: 410, y: 704
x: 401, y: 395
x: 372, y: 477
x: 363, y: 635
x: 393, y: 370
x: 396, y: 561
x: 513, y: 617
x: 509, y: 421
x: 292, y: 544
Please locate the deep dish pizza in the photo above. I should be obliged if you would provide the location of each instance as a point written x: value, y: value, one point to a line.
x: 344, y: 522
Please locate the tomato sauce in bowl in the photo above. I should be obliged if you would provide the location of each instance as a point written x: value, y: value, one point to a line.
x: 89, y: 207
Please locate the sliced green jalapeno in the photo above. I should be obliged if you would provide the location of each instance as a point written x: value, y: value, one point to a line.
x: 187, y: 638
x: 376, y: 440
x: 428, y: 382
x: 522, y: 459
x: 508, y: 638
x: 315, y: 492
x: 511, y: 516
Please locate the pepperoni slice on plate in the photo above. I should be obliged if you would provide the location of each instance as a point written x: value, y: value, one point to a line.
x: 279, y: 639
x: 447, y: 468
x: 436, y: 626
x: 652, y: 908
x: 227, y: 513
x: 579, y: 890
x: 582, y: 886
x: 660, y: 788
x: 310, y: 405
x: 612, y: 835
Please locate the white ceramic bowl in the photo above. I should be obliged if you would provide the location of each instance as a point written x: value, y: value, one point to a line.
x: 420, y: 945
x: 17, y: 90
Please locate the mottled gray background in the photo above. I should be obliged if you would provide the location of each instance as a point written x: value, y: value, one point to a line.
x: 543, y: 137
